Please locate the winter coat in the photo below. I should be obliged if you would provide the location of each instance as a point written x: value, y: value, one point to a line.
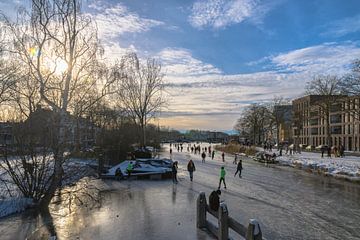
x: 239, y: 166
x: 191, y: 167
x: 222, y: 173
x: 174, y: 168
x: 214, y: 201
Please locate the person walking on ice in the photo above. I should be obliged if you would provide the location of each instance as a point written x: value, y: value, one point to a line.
x: 174, y: 171
x: 222, y: 177
x: 129, y: 169
x: 235, y: 159
x: 239, y: 168
x: 191, y: 169
x: 223, y: 156
x: 203, y: 156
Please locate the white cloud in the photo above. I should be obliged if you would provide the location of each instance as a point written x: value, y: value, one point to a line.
x: 330, y: 58
x: 202, y: 99
x: 180, y: 62
x: 342, y: 27
x: 114, y: 21
x: 221, y: 13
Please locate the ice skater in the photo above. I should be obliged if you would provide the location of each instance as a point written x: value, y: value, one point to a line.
x: 222, y: 177
x: 239, y: 168
x: 235, y: 159
x: 174, y: 172
x: 191, y: 168
x: 203, y: 156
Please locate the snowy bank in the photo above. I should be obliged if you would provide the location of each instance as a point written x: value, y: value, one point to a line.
x: 346, y: 168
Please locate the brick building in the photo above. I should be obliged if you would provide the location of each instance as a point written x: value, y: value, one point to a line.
x: 309, y: 121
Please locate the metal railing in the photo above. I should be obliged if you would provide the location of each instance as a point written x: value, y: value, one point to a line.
x: 252, y: 232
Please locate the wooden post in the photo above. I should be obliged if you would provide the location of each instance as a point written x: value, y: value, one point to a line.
x: 201, y: 211
x: 253, y: 230
x: 223, y: 222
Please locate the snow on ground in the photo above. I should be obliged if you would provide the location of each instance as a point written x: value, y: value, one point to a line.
x: 346, y: 167
x: 12, y: 200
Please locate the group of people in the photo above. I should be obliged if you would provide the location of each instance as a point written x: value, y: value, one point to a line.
x: 337, y: 151
x: 191, y: 169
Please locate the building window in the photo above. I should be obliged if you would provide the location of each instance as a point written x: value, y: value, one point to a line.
x: 314, y: 122
x: 335, y: 130
x: 314, y: 131
x: 335, y: 118
x: 335, y: 107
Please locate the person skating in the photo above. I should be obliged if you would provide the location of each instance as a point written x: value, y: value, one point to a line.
x: 235, y: 159
x: 129, y: 169
x: 213, y: 154
x: 203, y: 156
x: 174, y: 172
x: 223, y: 156
x: 239, y: 168
x: 214, y: 200
x: 191, y: 168
x: 222, y: 177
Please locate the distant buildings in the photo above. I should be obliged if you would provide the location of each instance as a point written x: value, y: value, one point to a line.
x: 318, y: 120
x: 79, y: 133
x: 208, y: 136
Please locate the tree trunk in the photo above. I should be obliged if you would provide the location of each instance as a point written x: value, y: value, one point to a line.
x: 58, y: 162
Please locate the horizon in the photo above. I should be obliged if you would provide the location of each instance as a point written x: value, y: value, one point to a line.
x: 220, y: 56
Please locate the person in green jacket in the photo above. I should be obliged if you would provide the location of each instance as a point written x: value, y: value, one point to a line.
x: 222, y: 177
x: 129, y: 169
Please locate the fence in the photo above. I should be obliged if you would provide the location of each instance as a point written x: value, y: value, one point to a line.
x: 252, y: 232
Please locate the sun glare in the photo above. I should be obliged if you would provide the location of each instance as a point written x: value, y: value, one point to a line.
x: 59, y: 66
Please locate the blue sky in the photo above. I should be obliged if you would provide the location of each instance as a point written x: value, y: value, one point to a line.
x: 221, y: 55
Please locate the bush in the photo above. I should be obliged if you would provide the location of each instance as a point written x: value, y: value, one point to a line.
x: 236, y: 148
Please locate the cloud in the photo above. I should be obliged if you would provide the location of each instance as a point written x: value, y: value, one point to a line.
x: 114, y: 21
x: 330, y: 58
x: 214, y: 98
x: 179, y: 62
x: 218, y: 14
x: 342, y: 27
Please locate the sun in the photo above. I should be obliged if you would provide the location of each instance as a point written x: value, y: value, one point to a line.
x: 60, y: 66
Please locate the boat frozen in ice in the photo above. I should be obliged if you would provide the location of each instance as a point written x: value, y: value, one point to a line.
x: 143, y: 167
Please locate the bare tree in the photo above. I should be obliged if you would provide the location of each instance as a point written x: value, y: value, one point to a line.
x: 328, y: 88
x: 350, y: 85
x: 254, y: 122
x: 140, y: 93
x: 278, y: 113
x: 58, y: 49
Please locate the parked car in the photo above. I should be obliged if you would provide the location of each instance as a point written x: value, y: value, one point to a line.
x: 321, y: 146
x: 303, y: 146
x: 310, y: 147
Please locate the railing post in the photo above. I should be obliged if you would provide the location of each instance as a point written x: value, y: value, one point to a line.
x: 223, y: 222
x: 201, y: 210
x: 253, y: 230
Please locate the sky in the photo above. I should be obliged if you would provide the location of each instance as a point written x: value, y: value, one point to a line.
x: 219, y: 56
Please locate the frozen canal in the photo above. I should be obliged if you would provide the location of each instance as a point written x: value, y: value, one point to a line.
x: 289, y: 203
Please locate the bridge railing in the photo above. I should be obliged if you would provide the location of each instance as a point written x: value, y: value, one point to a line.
x: 221, y: 231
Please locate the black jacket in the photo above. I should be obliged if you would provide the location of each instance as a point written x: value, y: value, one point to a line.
x: 214, y: 201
